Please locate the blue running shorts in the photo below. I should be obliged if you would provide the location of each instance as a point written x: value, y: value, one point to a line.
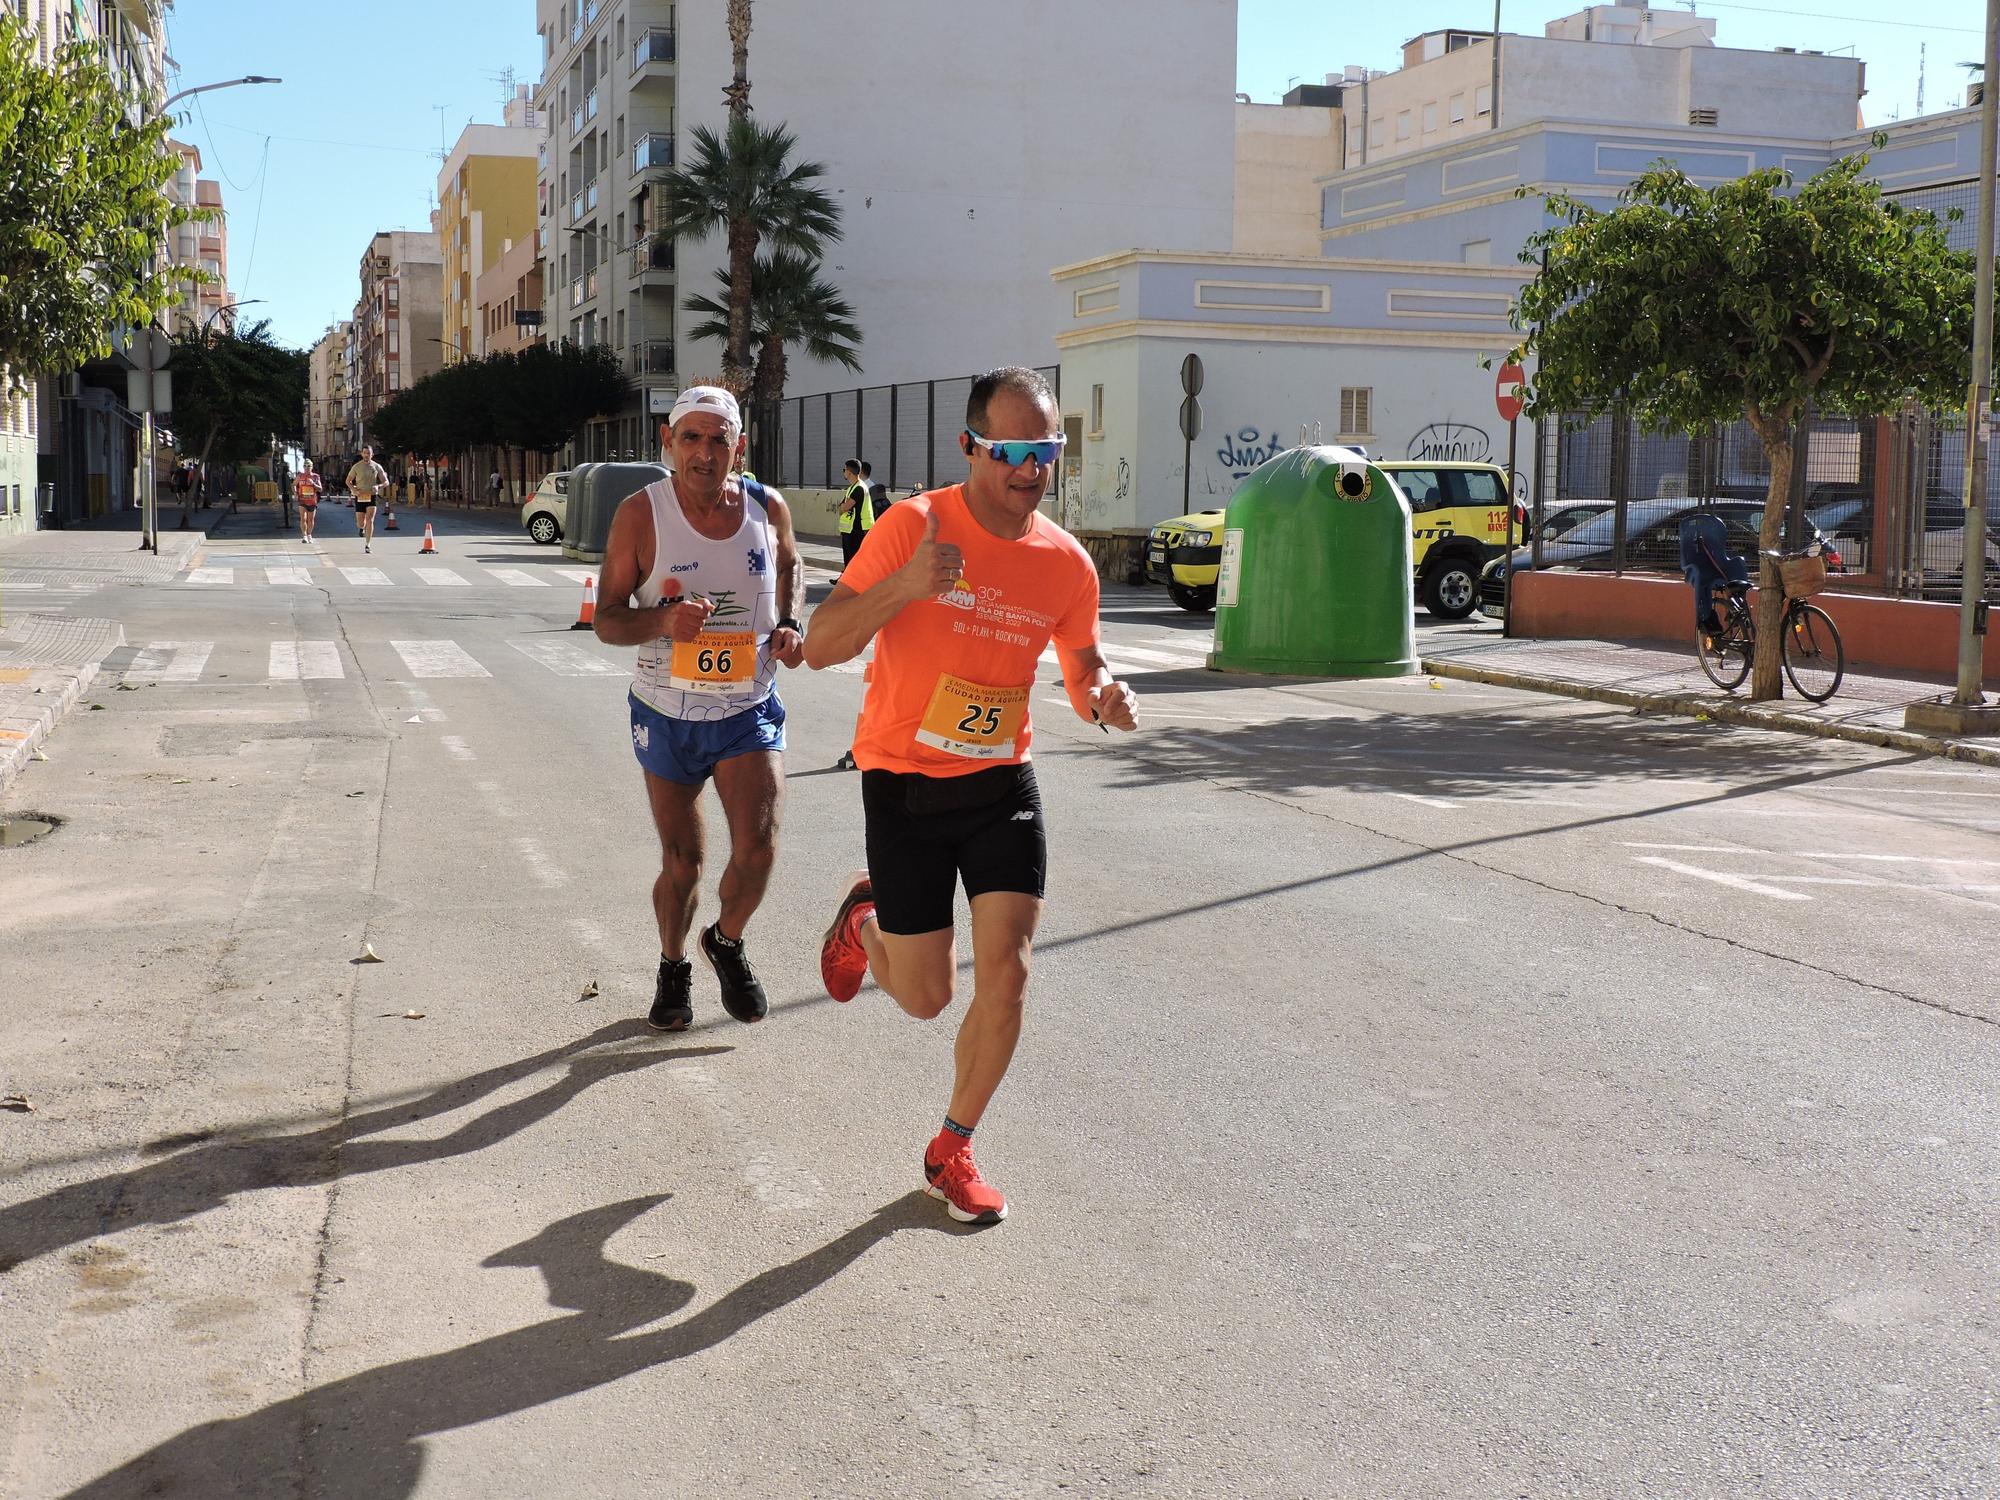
x: 688, y: 750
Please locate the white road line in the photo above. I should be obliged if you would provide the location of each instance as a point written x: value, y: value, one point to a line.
x: 1697, y: 848
x: 313, y: 661
x: 543, y: 868
x: 1899, y: 859
x: 1143, y: 657
x: 517, y: 578
x: 441, y: 576
x: 566, y: 659
x: 210, y: 575
x: 456, y: 748
x: 1444, y: 802
x: 281, y: 576
x: 417, y: 698
x: 1735, y: 882
x: 170, y: 661
x: 438, y: 659
x: 576, y: 575
x: 367, y: 577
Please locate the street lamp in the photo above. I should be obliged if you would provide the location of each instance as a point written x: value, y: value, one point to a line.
x: 203, y: 88
x: 228, y: 307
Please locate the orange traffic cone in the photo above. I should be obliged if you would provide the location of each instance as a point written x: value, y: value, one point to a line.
x: 586, y: 617
x: 429, y: 545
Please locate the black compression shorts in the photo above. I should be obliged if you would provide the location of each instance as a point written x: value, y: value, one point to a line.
x: 927, y: 833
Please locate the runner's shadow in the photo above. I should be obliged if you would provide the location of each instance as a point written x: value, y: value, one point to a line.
x: 360, y: 1438
x: 210, y: 1173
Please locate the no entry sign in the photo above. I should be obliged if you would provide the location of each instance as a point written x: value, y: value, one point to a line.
x: 1507, y: 391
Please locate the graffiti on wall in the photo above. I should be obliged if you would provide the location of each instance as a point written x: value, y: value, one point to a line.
x: 1452, y: 442
x: 1248, y: 447
x: 1124, y: 479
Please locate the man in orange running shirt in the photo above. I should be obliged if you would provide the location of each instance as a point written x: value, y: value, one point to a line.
x: 961, y: 590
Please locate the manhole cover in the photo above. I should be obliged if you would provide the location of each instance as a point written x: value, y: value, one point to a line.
x: 25, y: 828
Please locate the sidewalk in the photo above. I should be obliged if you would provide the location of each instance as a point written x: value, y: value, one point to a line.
x: 49, y: 660
x: 1664, y: 679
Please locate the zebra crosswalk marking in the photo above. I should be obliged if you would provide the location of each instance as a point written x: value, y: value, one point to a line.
x: 578, y: 575
x: 310, y: 661
x: 278, y: 576
x: 374, y: 577
x: 170, y: 661
x: 441, y: 576
x: 438, y: 659
x: 519, y: 578
x: 212, y: 575
x: 566, y: 659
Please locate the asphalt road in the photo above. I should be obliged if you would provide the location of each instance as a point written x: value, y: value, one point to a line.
x: 1428, y: 1090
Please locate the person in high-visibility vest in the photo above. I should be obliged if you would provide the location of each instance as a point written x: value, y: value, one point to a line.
x: 857, y: 512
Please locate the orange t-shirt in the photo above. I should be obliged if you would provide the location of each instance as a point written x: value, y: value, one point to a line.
x: 305, y: 488
x: 948, y: 691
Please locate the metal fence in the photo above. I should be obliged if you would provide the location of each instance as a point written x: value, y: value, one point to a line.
x: 908, y: 432
x: 1888, y: 492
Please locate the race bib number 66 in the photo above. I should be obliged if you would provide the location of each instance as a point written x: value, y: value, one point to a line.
x: 973, y: 720
x: 716, y: 661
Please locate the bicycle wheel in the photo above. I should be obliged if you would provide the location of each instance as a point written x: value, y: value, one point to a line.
x: 1728, y: 663
x: 1814, y: 659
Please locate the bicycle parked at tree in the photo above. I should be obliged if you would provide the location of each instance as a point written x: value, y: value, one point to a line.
x: 1726, y: 631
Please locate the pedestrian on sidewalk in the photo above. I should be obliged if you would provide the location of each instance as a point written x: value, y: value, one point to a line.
x: 961, y: 591
x: 857, y: 512
x: 494, y: 487
x: 306, y: 489
x: 702, y: 574
x: 364, y: 480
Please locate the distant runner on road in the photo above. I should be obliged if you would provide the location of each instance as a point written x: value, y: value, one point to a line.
x: 961, y: 590
x: 363, y: 480
x: 305, y: 490
x: 701, y: 573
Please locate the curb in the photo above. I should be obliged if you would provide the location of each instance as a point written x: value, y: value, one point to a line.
x: 20, y: 738
x: 1721, y: 712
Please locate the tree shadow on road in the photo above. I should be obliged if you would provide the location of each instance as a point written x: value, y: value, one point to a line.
x: 360, y: 1438
x: 208, y: 1173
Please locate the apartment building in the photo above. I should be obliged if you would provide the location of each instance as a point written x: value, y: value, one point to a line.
x: 486, y: 204
x: 327, y: 427
x: 399, y: 320
x: 508, y: 297
x: 961, y: 181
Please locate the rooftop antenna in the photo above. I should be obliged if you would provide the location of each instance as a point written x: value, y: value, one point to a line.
x: 505, y: 77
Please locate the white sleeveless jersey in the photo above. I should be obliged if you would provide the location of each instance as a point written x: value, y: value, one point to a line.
x: 729, y: 667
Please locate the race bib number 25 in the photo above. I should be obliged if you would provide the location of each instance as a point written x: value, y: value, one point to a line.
x: 973, y: 720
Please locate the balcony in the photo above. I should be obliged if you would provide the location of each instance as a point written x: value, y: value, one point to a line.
x: 586, y: 12
x: 653, y: 55
x: 653, y: 253
x: 650, y: 152
x: 655, y: 357
x: 584, y: 203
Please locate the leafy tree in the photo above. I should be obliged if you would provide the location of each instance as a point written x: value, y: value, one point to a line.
x: 1690, y: 306
x: 537, y: 398
x: 83, y: 208
x: 236, y: 391
x: 789, y: 305
x: 746, y: 184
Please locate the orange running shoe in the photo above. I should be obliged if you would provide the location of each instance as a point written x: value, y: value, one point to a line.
x: 970, y: 1198
x: 843, y: 962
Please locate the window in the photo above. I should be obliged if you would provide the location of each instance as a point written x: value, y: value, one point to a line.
x: 1456, y: 111
x: 1430, y: 118
x: 1357, y: 410
x: 395, y: 344
x: 1482, y: 99
x: 1476, y: 252
x: 395, y: 380
x: 1374, y: 133
x: 392, y: 294
x: 1423, y: 488
x: 1482, y: 487
x: 1097, y: 411
x: 1402, y: 125
x: 1354, y: 139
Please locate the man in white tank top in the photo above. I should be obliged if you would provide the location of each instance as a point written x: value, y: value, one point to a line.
x: 701, y: 573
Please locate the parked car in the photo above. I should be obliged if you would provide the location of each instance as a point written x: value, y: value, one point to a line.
x: 545, y: 513
x: 1652, y: 543
x: 1847, y: 514
x: 1458, y: 520
x: 1560, y: 520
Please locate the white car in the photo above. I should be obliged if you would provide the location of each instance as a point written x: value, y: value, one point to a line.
x: 546, y: 512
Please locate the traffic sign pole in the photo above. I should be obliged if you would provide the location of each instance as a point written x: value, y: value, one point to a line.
x: 1191, y: 382
x: 1507, y: 400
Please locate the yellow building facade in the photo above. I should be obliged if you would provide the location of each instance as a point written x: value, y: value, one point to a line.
x: 486, y: 204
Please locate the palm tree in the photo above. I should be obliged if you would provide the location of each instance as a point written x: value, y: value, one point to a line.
x: 738, y: 92
x: 746, y: 184
x: 789, y: 305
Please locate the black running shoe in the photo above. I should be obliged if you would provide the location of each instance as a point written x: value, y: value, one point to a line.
x: 673, y: 1001
x: 742, y: 995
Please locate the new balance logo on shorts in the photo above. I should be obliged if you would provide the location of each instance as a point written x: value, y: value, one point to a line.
x: 1027, y: 815
x: 642, y: 736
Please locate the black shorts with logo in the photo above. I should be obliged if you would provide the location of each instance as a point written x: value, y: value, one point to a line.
x: 928, y: 833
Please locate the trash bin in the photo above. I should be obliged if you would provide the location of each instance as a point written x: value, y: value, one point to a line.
x: 595, y: 493
x: 1315, y: 578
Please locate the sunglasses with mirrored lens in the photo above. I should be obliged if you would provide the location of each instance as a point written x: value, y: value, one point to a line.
x: 1043, y: 451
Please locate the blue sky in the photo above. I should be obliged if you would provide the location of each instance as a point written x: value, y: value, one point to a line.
x: 349, y: 142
